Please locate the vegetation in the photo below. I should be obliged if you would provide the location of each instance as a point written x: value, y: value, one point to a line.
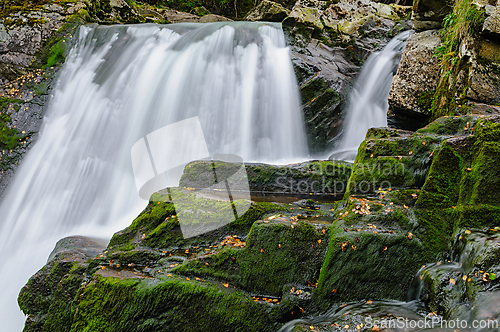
x: 460, y: 26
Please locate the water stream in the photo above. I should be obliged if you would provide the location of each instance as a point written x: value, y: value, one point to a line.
x: 368, y: 103
x: 118, y: 84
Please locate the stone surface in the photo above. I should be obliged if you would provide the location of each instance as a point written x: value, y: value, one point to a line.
x: 491, y: 24
x: 327, y: 57
x: 418, y: 74
x: 484, y: 72
x: 428, y: 14
x: 268, y: 11
x: 46, y: 299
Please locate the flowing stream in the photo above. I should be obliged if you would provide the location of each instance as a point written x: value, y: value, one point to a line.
x: 368, y: 103
x: 120, y: 83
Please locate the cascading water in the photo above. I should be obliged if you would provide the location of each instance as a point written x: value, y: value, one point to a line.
x: 119, y: 84
x: 368, y: 103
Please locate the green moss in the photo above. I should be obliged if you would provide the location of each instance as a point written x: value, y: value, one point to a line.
x: 109, y: 304
x: 371, y: 266
x: 10, y: 138
x: 441, y: 188
x: 56, y: 54
x: 463, y: 23
x: 276, y: 254
x: 158, y: 227
x: 449, y: 125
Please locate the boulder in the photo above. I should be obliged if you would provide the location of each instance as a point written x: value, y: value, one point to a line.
x: 428, y: 14
x: 268, y: 11
x: 417, y: 77
x: 113, y: 11
x: 307, y: 14
x: 308, y: 178
x: 48, y: 295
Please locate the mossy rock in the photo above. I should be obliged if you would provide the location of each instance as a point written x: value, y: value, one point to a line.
x: 158, y: 226
x: 369, y: 265
x: 173, y: 304
x: 48, y: 295
x: 277, y: 253
x: 319, y: 177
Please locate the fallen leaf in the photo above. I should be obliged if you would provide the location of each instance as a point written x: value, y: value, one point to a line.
x: 452, y: 281
x: 385, y: 248
x: 353, y: 247
x: 225, y: 284
x: 410, y: 236
x: 464, y: 278
x: 334, y: 291
x: 467, y: 232
x: 343, y: 246
x: 261, y: 250
x: 485, y: 277
x: 369, y: 302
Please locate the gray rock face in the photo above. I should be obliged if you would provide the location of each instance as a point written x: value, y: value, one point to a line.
x: 329, y: 45
x: 77, y: 248
x: 19, y: 42
x: 491, y: 24
x: 484, y: 74
x: 428, y: 14
x: 268, y: 11
x: 418, y: 73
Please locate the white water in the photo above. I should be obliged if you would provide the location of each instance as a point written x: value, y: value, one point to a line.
x: 119, y: 84
x: 368, y: 103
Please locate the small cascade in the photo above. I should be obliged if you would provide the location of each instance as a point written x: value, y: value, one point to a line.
x: 368, y: 103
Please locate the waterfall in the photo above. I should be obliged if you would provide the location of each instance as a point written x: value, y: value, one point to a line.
x: 120, y: 83
x: 368, y: 103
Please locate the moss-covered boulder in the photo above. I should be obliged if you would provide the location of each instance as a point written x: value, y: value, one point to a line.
x: 277, y: 252
x: 165, y: 304
x: 47, y: 297
x: 315, y: 177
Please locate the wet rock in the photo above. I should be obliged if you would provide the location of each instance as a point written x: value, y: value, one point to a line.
x: 483, y: 109
x: 328, y: 48
x: 268, y: 11
x: 48, y: 295
x: 317, y: 177
x: 417, y: 77
x: 428, y: 14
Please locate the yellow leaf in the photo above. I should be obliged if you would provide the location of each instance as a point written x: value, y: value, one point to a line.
x: 452, y: 281
x: 369, y: 302
x: 467, y: 232
x: 225, y: 284
x: 464, y: 278
x: 319, y: 241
